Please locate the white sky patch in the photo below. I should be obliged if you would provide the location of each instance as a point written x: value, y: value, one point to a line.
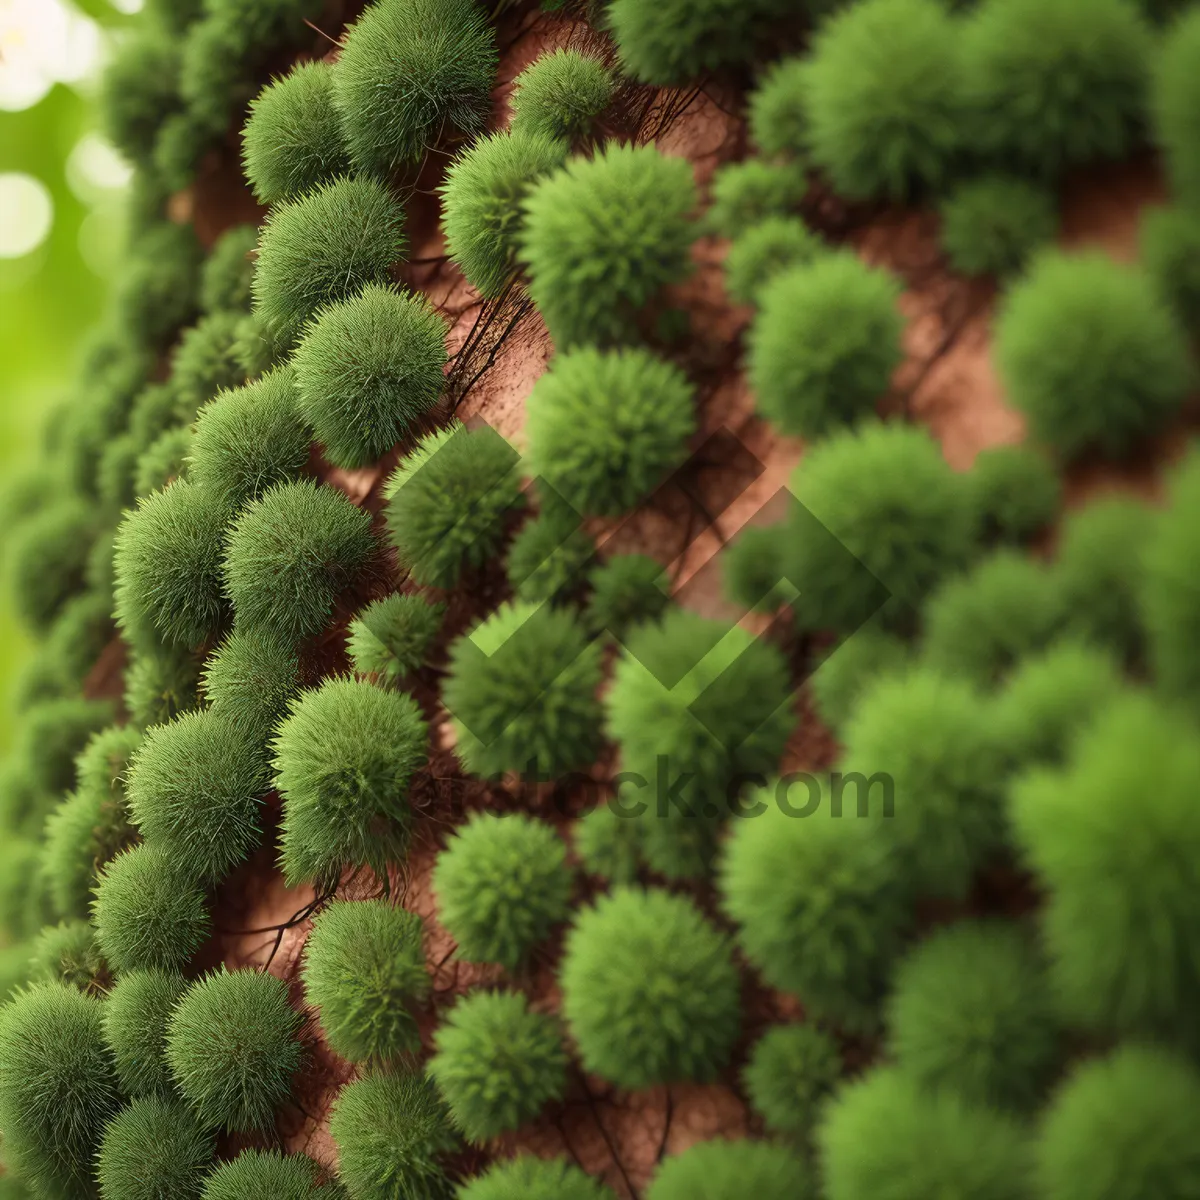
x: 43, y: 42
x: 26, y: 214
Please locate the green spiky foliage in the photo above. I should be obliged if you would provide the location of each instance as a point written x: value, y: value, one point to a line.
x: 391, y: 638
x: 410, y: 69
x: 291, y: 553
x: 154, y: 1150
x: 1027, y: 62
x: 249, y: 439
x: 368, y: 369
x: 181, y: 147
x: 68, y: 953
x: 1016, y: 493
x: 790, y: 1072
x: 258, y: 349
x: 136, y: 1013
x: 147, y: 911
x: 52, y: 734
x: 249, y: 680
x: 1091, y: 354
x: 67, y: 860
x: 765, y: 250
x: 1173, y: 104
x: 1122, y: 1125
x: 650, y: 990
x: 140, y: 86
x: 1097, y: 571
x: 502, y: 884
x: 744, y: 194
x: 114, y: 475
x: 393, y: 1134
x: 256, y: 1173
x: 204, y: 362
x: 605, y: 428
x: 855, y: 483
x: 521, y: 692
x: 156, y: 294
x: 160, y: 684
x: 883, y: 98
x: 824, y: 344
x: 529, y: 1178
x: 978, y: 625
x: 47, y: 553
x: 344, y: 759
x: 1169, y: 584
x: 322, y: 248
x: 164, y: 460
x: 481, y: 203
x: 560, y: 95
x: 292, y: 141
x: 706, y: 704
x: 448, y: 501
x: 79, y: 634
x: 778, y: 116
x: 57, y: 1088
x: 819, y: 905
x: 609, y: 845
x: 971, y: 1011
x: 1108, y: 879
x: 364, y: 971
x: 627, y: 590
x: 232, y: 1049
x: 726, y: 1170
x: 154, y: 410
x: 549, y: 559
x: 193, y: 788
x: 602, y: 236
x: 884, y: 1137
x: 168, y: 566
x: 497, y: 1064
x: 839, y: 680
x: 994, y: 224
x: 229, y: 270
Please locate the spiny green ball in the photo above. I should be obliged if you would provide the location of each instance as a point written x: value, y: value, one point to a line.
x: 824, y: 344
x: 448, y: 500
x: 247, y: 440
x: 605, y: 428
x: 650, y: 990
x: 367, y: 370
x: 839, y: 681
x: 147, y: 911
x: 778, y: 116
x: 521, y: 692
x: 156, y: 293
x: 249, y: 680
x: 764, y: 251
x: 744, y: 194
x: 1015, y: 491
x: 627, y: 590
x: 114, y: 476
x: 602, y: 236
x: 68, y: 953
x: 193, y: 789
x: 160, y: 684
x: 884, y: 1137
x: 135, y: 1027
x: 1121, y: 1126
x: 232, y: 1049
x: 291, y: 553
x: 560, y: 94
x: 391, y: 638
x: 408, y: 69
x: 820, y: 907
x: 258, y: 348
x: 1026, y: 64
x: 392, y: 1133
x: 609, y: 845
x: 791, y: 1069
x: 139, y: 86
x: 47, y: 554
x: 344, y: 759
x: 57, y: 1088
x: 1091, y: 354
x: 993, y: 225
x: 364, y: 971
x: 883, y: 95
x: 257, y: 1173
x: 164, y: 460
x: 529, y: 1178
x: 168, y: 566
x: 322, y: 248
x: 1109, y: 879
x: 205, y: 361
x: 153, y: 1150
x: 502, y: 884
x: 496, y: 1064
x: 67, y: 862
x: 292, y: 141
x: 1173, y: 104
x: 728, y: 1170
x: 481, y: 201
x: 155, y: 409
x: 971, y: 1011
x: 550, y: 557
x: 228, y: 271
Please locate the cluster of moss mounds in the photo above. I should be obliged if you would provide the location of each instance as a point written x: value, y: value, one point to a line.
x: 237, y: 658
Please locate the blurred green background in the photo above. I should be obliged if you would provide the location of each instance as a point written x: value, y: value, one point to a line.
x: 61, y: 187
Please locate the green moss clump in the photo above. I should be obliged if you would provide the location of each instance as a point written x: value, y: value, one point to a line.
x: 249, y: 680
x: 114, y: 475
x: 204, y: 362
x: 47, y: 555
x: 765, y: 250
x: 391, y: 638
x: 496, y: 1064
x: 529, y: 1178
x: 161, y: 683
x: 744, y: 194
x: 136, y: 1013
x: 791, y: 1070
x: 140, y: 86
x: 407, y: 71
x: 344, y: 759
x: 153, y: 1149
x: 292, y: 141
x: 1016, y: 493
x: 259, y: 349
x: 993, y: 225
x: 256, y: 1173
x: 839, y: 681
x: 228, y: 271
x: 66, y: 860
x: 364, y: 971
x: 778, y: 115
x: 725, y: 1170
x: 560, y: 95
x: 50, y: 737
x: 368, y: 369
x: 79, y: 634
x: 1173, y: 104
x: 69, y: 953
x: 609, y: 845
x: 502, y: 884
x: 1092, y: 355
x: 154, y: 410
x: 549, y: 559
x: 602, y: 236
x: 1169, y: 244
x: 156, y: 294
x: 627, y: 590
